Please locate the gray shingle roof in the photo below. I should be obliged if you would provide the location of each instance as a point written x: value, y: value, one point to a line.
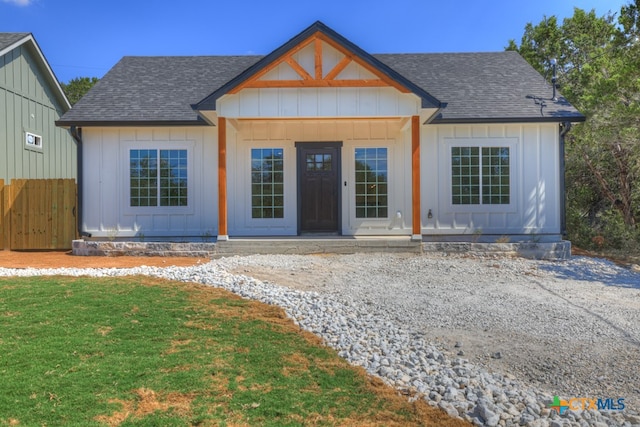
x: 491, y: 86
x: 7, y: 39
x: 471, y: 87
x: 155, y: 90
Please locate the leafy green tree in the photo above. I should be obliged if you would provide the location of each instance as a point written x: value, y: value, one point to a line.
x: 78, y: 87
x: 598, y: 64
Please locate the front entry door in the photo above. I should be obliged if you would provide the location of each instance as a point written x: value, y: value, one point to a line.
x: 319, y: 187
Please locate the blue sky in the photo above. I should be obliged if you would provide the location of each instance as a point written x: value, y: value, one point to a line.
x: 87, y: 37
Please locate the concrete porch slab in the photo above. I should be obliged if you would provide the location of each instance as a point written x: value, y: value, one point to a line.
x: 316, y: 245
x: 319, y: 245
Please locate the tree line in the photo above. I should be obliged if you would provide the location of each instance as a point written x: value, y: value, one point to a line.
x: 598, y: 71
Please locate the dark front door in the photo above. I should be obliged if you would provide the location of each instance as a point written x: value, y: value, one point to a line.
x: 319, y: 187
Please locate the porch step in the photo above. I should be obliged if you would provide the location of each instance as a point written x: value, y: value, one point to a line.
x: 315, y: 245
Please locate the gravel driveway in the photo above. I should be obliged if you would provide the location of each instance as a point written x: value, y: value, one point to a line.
x: 569, y: 328
x: 489, y: 340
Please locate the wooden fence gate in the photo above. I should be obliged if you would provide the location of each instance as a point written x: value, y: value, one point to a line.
x: 38, y: 214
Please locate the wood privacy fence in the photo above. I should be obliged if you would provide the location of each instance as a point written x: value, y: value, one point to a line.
x: 38, y: 214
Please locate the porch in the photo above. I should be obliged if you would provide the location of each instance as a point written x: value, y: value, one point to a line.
x: 555, y: 250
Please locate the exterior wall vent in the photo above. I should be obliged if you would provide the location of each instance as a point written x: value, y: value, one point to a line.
x: 32, y: 140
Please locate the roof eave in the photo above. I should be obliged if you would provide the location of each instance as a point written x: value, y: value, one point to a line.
x: 15, y: 44
x: 500, y: 120
x: 130, y: 123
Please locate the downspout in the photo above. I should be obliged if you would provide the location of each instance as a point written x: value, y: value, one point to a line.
x: 76, y: 133
x: 564, y: 129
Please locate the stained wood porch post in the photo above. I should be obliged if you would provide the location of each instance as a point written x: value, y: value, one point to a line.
x: 416, y: 233
x: 222, y: 179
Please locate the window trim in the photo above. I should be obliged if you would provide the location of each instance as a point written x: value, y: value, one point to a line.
x: 512, y: 145
x: 245, y: 181
x: 126, y: 181
x: 251, y: 183
x: 357, y: 224
x: 33, y: 146
x: 355, y: 184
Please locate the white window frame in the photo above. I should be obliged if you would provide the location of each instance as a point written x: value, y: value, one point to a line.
x: 355, y: 184
x: 126, y: 182
x: 511, y: 144
x: 289, y: 177
x: 32, y: 141
x: 349, y: 170
x: 284, y: 185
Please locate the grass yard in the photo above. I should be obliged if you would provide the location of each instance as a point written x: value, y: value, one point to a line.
x: 140, y: 351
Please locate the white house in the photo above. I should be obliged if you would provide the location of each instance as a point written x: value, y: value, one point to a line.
x: 321, y: 137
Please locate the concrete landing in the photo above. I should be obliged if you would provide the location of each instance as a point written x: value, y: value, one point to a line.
x: 319, y: 245
x: 316, y: 245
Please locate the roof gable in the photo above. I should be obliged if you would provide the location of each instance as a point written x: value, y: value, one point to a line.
x: 11, y: 41
x: 318, y: 57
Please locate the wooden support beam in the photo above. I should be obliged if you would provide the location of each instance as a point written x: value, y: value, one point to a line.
x: 222, y: 179
x: 338, y: 68
x: 258, y: 75
x: 315, y: 78
x: 318, y: 58
x: 357, y: 60
x: 262, y: 84
x: 415, y: 178
x: 297, y: 68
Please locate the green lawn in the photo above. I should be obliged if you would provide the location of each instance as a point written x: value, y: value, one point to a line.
x: 142, y: 351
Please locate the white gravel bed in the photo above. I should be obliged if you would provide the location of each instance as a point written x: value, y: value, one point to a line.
x: 488, y: 340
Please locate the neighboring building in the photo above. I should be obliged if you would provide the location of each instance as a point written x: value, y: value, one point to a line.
x: 31, y: 100
x: 321, y: 137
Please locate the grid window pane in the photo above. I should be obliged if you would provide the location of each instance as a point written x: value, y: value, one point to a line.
x: 173, y: 177
x: 158, y: 177
x: 267, y: 181
x: 464, y: 162
x: 143, y: 168
x: 371, y: 182
x: 318, y: 162
x: 495, y: 182
x: 480, y: 176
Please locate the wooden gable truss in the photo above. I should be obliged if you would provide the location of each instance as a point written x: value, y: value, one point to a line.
x: 315, y: 78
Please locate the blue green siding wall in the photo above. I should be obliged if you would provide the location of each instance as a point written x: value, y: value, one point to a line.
x: 28, y: 104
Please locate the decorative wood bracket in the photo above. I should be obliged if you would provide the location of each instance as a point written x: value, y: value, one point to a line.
x: 307, y: 80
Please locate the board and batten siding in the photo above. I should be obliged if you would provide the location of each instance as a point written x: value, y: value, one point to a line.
x: 534, y: 160
x: 27, y: 104
x: 106, y: 204
x: 535, y: 181
x: 247, y: 134
x: 319, y: 102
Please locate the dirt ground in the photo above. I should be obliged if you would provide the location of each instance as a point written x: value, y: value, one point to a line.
x: 58, y: 259
x: 55, y: 259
